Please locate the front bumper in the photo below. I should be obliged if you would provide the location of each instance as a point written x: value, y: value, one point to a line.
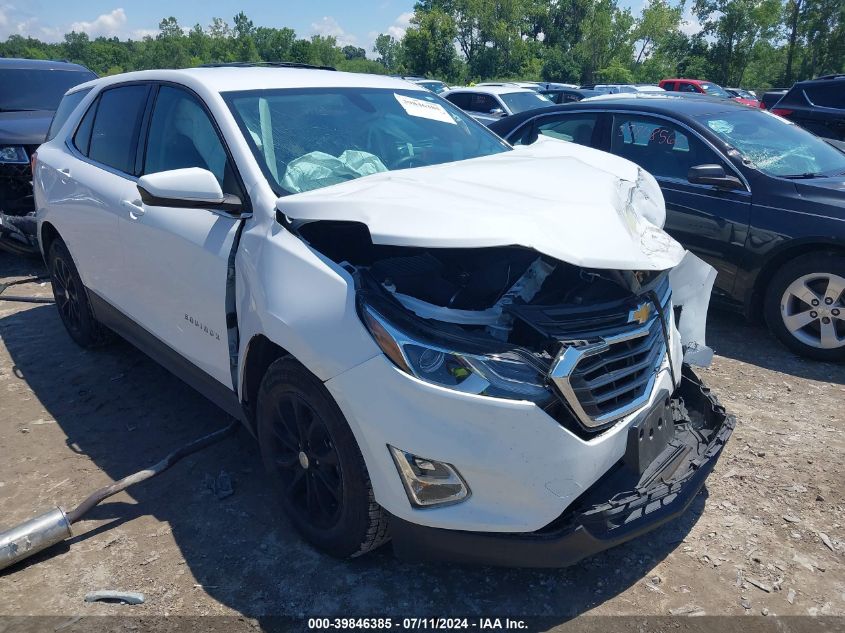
x: 610, y: 512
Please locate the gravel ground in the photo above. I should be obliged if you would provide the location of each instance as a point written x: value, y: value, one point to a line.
x: 765, y: 536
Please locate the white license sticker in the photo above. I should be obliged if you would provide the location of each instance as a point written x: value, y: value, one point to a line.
x: 424, y: 109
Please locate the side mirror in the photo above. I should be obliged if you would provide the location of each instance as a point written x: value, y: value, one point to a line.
x: 713, y: 175
x: 498, y: 112
x: 190, y: 188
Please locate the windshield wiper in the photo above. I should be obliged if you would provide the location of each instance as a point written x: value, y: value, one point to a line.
x: 804, y: 176
x: 18, y: 110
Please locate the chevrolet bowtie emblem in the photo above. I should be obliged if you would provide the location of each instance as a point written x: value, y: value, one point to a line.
x: 641, y: 314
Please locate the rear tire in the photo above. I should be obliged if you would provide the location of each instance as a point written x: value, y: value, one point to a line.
x: 72, y: 299
x: 315, y: 463
x: 805, y: 306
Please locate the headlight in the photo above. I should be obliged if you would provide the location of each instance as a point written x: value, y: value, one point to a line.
x: 13, y: 154
x: 504, y: 374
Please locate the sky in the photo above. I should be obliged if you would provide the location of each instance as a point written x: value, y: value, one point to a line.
x: 355, y: 22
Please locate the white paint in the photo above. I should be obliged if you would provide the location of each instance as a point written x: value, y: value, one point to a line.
x: 548, y: 196
x: 192, y: 184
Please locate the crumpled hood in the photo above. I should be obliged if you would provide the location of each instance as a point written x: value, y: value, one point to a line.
x: 566, y: 201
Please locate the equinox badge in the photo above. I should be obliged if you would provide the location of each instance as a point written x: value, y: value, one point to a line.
x: 641, y: 314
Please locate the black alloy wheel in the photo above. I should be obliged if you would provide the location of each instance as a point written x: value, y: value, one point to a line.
x: 72, y: 300
x: 312, y: 457
x: 307, y: 462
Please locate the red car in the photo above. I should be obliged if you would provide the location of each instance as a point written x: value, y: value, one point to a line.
x: 704, y: 87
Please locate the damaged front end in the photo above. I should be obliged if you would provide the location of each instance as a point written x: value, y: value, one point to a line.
x: 620, y: 506
x: 583, y: 344
x: 552, y: 411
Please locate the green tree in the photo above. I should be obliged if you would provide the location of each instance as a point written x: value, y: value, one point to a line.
x: 244, y: 49
x: 274, y: 44
x: 389, y: 51
x: 428, y: 45
x: 324, y: 51
x: 736, y: 25
x: 353, y: 52
x: 658, y: 21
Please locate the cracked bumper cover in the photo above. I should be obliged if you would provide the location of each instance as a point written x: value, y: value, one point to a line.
x: 608, y: 513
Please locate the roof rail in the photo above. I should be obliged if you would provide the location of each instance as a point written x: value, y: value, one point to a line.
x: 265, y: 64
x: 833, y: 76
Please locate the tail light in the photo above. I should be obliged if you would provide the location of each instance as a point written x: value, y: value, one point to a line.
x: 781, y: 111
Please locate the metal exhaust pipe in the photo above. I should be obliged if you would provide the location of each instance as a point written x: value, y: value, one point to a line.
x: 33, y: 536
x: 39, y: 533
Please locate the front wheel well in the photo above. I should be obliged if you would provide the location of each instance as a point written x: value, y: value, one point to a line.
x: 771, y: 267
x: 261, y: 352
x: 49, y: 234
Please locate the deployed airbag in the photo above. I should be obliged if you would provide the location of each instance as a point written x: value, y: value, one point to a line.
x: 318, y: 169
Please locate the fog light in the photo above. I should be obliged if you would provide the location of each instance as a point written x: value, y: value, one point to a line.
x: 427, y: 482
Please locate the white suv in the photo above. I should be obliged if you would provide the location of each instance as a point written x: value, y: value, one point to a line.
x: 435, y: 337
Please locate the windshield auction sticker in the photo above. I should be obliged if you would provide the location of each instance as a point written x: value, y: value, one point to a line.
x: 424, y: 109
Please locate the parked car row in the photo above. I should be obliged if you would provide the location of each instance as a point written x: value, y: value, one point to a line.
x: 817, y: 105
x: 486, y: 358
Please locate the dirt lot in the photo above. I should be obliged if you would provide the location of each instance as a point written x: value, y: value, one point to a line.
x: 766, y: 536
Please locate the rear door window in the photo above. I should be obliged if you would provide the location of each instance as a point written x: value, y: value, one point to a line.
x: 827, y: 95
x: 482, y: 103
x: 575, y: 128
x: 82, y: 137
x: 687, y: 87
x: 66, y: 107
x: 660, y: 147
x: 460, y: 99
x: 114, y: 135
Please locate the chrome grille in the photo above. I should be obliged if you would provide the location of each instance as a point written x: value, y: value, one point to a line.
x: 609, y: 377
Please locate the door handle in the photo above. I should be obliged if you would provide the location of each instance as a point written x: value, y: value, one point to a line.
x: 136, y: 208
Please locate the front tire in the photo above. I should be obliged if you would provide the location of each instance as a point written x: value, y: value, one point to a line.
x: 805, y: 306
x: 309, y: 450
x: 72, y: 301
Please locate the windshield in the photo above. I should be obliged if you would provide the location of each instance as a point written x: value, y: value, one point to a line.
x: 520, y: 101
x: 310, y: 138
x: 715, y: 91
x: 33, y: 89
x: 775, y: 146
x: 435, y: 86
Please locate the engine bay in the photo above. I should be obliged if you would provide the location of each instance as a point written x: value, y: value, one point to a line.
x: 505, y: 294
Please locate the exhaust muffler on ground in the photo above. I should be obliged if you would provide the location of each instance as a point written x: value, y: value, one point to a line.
x: 54, y: 526
x: 35, y: 535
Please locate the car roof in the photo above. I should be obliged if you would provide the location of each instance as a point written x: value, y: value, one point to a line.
x: 673, y: 105
x: 692, y: 81
x: 236, y: 78
x: 587, y: 92
x: 40, y: 64
x: 826, y: 79
x: 492, y: 90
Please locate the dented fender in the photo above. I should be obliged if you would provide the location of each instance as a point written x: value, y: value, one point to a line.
x: 692, y: 282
